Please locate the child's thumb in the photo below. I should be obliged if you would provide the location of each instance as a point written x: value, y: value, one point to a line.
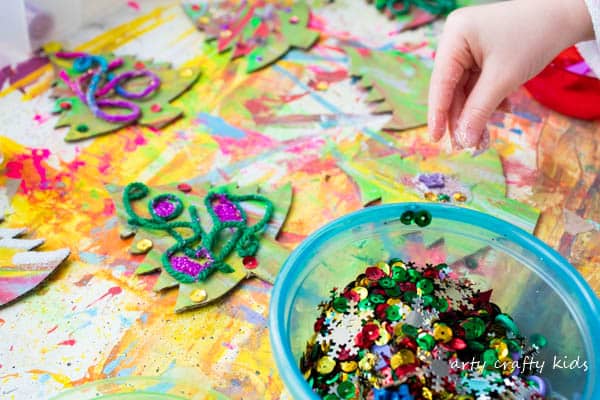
x: 487, y: 94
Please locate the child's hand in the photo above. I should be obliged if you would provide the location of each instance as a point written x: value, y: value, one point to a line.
x: 488, y: 51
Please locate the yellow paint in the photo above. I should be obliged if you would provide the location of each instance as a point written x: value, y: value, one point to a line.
x: 60, y: 378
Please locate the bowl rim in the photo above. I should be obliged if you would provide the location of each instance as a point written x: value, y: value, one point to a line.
x: 586, y: 313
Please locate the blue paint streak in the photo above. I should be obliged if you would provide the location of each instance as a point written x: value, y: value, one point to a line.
x: 253, y: 317
x: 111, y: 366
x: 144, y: 318
x: 44, y: 378
x: 296, y: 55
x: 126, y: 371
x: 125, y: 322
x: 529, y: 116
x: 91, y: 258
x: 162, y: 387
x: 218, y: 126
x: 301, y: 84
x: 517, y: 131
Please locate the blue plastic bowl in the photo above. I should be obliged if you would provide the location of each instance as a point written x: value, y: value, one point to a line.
x: 530, y: 281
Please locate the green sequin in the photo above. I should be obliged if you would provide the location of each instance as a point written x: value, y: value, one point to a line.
x: 425, y: 341
x: 377, y: 299
x: 365, y: 304
x: 393, y: 291
x: 346, y: 390
x: 386, y: 282
x: 393, y: 313
x: 422, y: 218
x: 425, y: 285
x: 399, y: 274
x: 407, y: 217
x: 340, y: 304
x: 538, y: 340
x: 410, y: 330
x: 474, y: 327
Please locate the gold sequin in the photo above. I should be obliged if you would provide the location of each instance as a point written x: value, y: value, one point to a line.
x: 430, y: 196
x: 403, y: 357
x: 458, y: 196
x: 384, y: 337
x: 349, y: 366
x: 427, y: 394
x: 362, y: 292
x: 325, y: 365
x: 442, y: 332
x: 143, y: 246
x: 384, y: 267
x: 501, y: 348
x: 204, y: 20
x: 367, y: 362
x: 186, y: 73
x: 198, y: 295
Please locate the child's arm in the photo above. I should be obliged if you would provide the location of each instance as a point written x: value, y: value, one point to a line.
x: 488, y: 51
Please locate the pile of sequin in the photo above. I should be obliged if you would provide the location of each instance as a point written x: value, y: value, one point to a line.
x: 403, y: 332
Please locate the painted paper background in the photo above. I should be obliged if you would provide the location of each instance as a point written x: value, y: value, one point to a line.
x: 94, y: 318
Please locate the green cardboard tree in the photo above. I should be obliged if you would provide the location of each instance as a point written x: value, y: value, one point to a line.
x: 264, y: 31
x: 204, y: 240
x: 156, y: 109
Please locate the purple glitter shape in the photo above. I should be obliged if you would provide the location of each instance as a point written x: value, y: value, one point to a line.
x: 432, y: 181
x: 190, y: 267
x: 163, y: 208
x: 225, y: 209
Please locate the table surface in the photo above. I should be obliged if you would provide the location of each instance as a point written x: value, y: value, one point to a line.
x: 267, y: 127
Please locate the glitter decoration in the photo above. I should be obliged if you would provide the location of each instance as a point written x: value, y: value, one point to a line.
x: 226, y: 214
x: 189, y: 267
x: 105, y: 92
x: 163, y: 208
x: 432, y: 181
x: 264, y: 31
x: 225, y: 209
x: 417, y: 332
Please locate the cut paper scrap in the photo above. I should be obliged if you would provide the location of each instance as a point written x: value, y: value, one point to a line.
x: 148, y: 87
x: 396, y: 83
x: 264, y: 31
x: 415, y: 13
x: 197, y: 270
x: 395, y: 179
x: 21, y: 270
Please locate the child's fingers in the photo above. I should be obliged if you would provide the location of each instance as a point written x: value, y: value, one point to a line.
x: 447, y: 72
x: 487, y: 94
x: 458, y: 103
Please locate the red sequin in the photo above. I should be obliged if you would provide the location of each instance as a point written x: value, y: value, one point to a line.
x: 319, y: 324
x: 65, y: 105
x: 184, y: 187
x: 380, y: 310
x: 139, y: 65
x: 250, y: 262
x: 195, y: 7
x: 371, y: 331
x: 155, y: 107
x: 374, y: 273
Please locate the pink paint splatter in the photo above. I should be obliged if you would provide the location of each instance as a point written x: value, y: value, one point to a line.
x: 109, y: 207
x: 14, y: 168
x: 134, y: 5
x: 69, y: 342
x: 113, y: 291
x: 40, y: 119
